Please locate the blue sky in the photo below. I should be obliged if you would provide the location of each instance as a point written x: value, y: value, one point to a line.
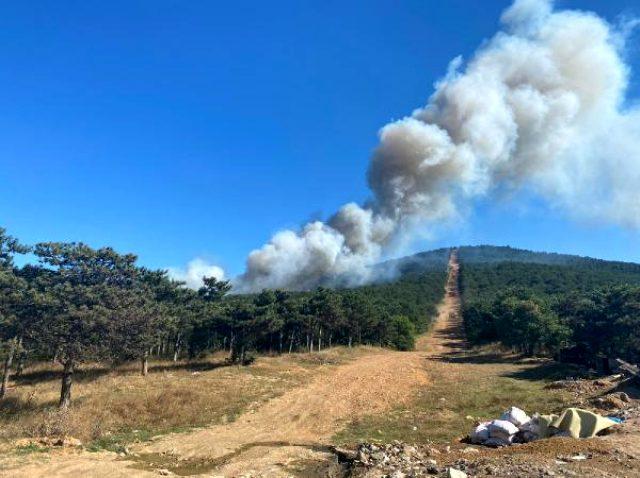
x: 198, y: 129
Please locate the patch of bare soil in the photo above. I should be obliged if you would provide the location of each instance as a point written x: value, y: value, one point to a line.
x: 272, y: 440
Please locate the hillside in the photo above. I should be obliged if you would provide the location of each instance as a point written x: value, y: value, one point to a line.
x: 551, y: 304
x: 490, y: 269
x: 487, y: 254
x: 491, y: 254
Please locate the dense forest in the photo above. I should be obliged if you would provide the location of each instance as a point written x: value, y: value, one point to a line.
x: 76, y: 304
x: 540, y: 303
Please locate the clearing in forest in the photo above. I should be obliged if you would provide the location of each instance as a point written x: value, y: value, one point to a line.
x: 418, y: 396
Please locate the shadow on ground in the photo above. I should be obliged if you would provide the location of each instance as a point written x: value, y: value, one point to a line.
x: 83, y: 375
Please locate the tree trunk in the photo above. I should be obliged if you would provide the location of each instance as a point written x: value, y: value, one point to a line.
x: 67, y: 379
x: 145, y: 364
x: 291, y: 343
x: 7, y: 367
x: 350, y: 340
x: 176, y: 347
x: 280, y: 344
x: 22, y: 356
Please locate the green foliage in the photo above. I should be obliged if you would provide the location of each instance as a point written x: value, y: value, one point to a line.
x: 528, y: 324
x: 551, y: 303
x: 496, y: 254
x: 401, y: 333
x: 80, y: 304
x: 31, y: 448
x: 605, y: 321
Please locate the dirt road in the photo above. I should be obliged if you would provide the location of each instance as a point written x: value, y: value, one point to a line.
x: 309, y: 416
x: 286, y: 431
x: 295, y: 426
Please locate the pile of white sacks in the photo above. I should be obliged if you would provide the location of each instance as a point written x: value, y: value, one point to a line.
x: 513, y: 426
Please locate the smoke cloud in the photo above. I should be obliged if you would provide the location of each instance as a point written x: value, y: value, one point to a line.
x: 194, y: 272
x: 541, y: 105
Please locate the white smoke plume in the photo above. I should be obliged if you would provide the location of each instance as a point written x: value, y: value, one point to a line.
x: 193, y: 274
x: 541, y: 105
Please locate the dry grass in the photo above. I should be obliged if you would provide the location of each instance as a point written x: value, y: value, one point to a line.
x: 474, y: 385
x: 113, y: 407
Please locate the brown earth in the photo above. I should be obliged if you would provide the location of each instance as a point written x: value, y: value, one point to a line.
x: 291, y: 435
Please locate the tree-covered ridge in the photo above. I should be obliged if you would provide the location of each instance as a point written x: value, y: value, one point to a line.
x: 574, y: 305
x: 78, y: 304
x: 484, y: 280
x: 435, y: 260
x: 493, y: 254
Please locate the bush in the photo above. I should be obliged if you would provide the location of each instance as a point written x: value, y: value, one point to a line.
x: 401, y: 333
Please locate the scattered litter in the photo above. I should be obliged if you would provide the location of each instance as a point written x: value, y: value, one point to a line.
x: 515, y: 426
x: 370, y: 454
x: 469, y: 450
x: 579, y: 457
x: 453, y: 473
x: 577, y: 423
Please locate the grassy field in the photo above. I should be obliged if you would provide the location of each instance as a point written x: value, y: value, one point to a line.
x: 113, y: 407
x: 462, y: 390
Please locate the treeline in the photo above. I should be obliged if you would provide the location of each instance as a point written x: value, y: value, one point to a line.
x: 80, y: 304
x: 584, y: 309
x: 497, y: 254
x: 387, y: 315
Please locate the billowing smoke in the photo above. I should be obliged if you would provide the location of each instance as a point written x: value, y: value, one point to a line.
x: 194, y: 272
x: 541, y: 105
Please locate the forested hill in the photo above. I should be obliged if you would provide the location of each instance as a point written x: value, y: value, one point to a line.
x: 435, y: 260
x: 550, y: 303
x: 492, y: 254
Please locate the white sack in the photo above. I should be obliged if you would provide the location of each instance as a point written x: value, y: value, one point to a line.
x: 480, y: 434
x: 516, y: 416
x: 501, y: 428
